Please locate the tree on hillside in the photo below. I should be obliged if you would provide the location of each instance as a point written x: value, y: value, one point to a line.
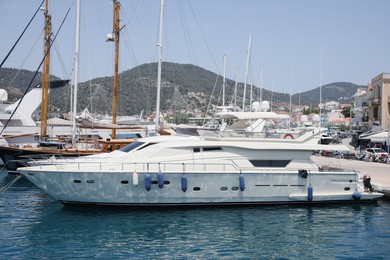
x: 347, y: 112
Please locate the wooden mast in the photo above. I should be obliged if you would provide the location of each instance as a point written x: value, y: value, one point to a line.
x: 46, y: 72
x: 116, y: 30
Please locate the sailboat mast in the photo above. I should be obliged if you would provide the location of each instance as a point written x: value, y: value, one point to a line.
x: 235, y: 89
x: 76, y: 72
x: 46, y: 71
x: 246, y: 70
x: 224, y: 80
x: 261, y: 85
x: 320, y: 106
x: 116, y: 29
x: 157, y: 119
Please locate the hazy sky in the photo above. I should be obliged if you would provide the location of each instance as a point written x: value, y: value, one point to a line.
x: 291, y: 39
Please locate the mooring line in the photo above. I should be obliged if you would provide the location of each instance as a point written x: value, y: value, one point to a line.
x: 9, y: 184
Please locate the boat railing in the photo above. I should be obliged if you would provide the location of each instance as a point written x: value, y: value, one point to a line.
x: 281, y: 134
x: 107, y: 166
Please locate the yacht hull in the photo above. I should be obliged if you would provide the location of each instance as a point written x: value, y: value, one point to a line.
x: 201, y: 189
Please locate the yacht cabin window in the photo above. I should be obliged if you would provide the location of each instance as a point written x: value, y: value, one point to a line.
x: 131, y: 147
x: 207, y: 149
x: 270, y: 163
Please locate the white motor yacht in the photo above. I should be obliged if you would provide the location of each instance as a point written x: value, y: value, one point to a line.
x: 202, y: 171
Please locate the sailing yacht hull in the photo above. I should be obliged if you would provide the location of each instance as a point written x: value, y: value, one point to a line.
x: 211, y: 188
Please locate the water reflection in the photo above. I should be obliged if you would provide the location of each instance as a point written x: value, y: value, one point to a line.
x: 208, y: 233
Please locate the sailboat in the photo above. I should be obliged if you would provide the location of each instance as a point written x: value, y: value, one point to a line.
x: 14, y: 157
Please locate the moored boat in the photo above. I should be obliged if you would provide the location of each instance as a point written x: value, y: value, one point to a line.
x: 202, y: 171
x: 15, y: 157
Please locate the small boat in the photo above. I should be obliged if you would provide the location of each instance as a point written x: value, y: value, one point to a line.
x: 202, y: 171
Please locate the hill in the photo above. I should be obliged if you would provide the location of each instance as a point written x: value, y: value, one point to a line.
x: 137, y: 90
x: 337, y: 91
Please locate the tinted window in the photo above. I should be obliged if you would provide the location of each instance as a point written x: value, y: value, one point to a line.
x: 206, y: 149
x: 269, y: 163
x: 131, y: 146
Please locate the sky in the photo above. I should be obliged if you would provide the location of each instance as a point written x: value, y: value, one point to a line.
x: 296, y: 45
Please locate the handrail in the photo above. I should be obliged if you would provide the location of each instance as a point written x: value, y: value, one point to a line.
x: 145, y: 166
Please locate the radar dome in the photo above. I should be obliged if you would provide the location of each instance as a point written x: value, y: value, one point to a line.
x: 316, y: 118
x: 3, y: 95
x: 256, y: 106
x: 265, y: 106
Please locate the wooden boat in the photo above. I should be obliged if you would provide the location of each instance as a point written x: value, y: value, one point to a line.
x: 15, y: 157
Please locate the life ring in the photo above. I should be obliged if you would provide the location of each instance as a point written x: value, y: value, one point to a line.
x: 288, y: 136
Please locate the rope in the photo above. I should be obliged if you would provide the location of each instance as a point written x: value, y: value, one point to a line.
x: 17, y: 41
x: 9, y: 184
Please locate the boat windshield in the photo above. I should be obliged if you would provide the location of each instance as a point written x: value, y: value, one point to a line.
x: 131, y: 146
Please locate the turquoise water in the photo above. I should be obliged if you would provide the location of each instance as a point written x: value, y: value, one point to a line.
x: 34, y: 226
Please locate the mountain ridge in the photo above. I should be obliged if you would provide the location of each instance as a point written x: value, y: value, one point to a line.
x: 137, y: 90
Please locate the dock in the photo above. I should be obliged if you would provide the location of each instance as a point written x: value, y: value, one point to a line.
x: 379, y: 172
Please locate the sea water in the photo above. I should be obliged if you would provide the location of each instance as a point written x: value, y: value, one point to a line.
x: 34, y: 226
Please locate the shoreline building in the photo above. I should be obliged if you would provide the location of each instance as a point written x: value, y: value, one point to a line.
x: 372, y: 107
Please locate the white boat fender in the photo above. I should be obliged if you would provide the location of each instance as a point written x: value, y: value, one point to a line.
x: 160, y: 179
x: 242, y: 182
x: 356, y: 195
x: 135, y: 178
x: 310, y: 193
x: 184, y: 183
x: 148, y: 182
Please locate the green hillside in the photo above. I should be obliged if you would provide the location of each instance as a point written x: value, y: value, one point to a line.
x: 137, y: 90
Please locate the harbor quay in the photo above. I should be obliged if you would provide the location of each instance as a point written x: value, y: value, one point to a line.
x: 379, y: 172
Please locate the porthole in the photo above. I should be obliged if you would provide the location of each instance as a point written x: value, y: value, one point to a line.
x: 125, y: 182
x: 350, y: 180
x: 224, y: 188
x: 347, y: 188
x: 167, y: 182
x: 196, y: 189
x: 154, y: 182
x: 234, y: 188
x: 76, y: 181
x: 90, y: 181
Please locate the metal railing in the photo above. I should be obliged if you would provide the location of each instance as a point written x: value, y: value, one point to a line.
x: 112, y: 166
